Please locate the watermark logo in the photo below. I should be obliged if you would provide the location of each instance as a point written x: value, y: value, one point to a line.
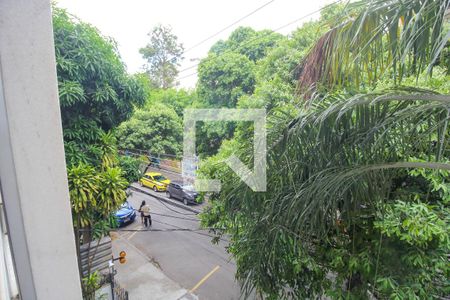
x: 255, y: 179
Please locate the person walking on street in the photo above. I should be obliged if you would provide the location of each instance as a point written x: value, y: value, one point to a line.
x: 142, y: 213
x: 145, y: 210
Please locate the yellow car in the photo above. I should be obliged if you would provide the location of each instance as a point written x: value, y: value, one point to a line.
x: 155, y: 181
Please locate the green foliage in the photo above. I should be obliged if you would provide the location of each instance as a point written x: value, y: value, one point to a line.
x: 86, y: 143
x: 350, y: 211
x: 91, y: 283
x: 95, y: 194
x: 210, y: 135
x: 373, y: 40
x: 131, y: 167
x: 229, y: 73
x: 418, y: 228
x: 282, y: 61
x: 440, y: 81
x: 83, y: 189
x: 96, y: 94
x: 112, y: 190
x: 330, y: 177
x: 92, y: 80
x: 163, y: 54
x: 248, y: 42
x: 333, y: 13
x: 222, y: 79
x: 416, y: 223
x: 157, y: 129
x: 176, y: 99
x: 275, y: 84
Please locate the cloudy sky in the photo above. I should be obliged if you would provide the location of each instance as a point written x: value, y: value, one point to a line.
x: 129, y: 22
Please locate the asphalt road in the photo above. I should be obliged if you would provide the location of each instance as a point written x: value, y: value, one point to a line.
x: 183, y: 252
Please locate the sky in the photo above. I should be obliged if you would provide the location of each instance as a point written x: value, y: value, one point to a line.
x: 129, y: 22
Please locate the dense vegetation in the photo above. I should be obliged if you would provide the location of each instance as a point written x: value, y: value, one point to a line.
x: 155, y: 128
x: 357, y: 202
x: 96, y: 94
x: 358, y: 198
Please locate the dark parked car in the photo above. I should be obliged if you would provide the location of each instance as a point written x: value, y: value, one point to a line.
x: 155, y: 162
x: 126, y: 214
x: 185, y: 193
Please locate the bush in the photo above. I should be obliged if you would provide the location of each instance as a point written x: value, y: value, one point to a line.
x: 131, y: 167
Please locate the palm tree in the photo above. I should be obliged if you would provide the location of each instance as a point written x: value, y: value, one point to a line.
x: 379, y: 38
x: 358, y: 184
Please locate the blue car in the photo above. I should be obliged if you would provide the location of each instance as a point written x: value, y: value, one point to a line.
x: 126, y: 214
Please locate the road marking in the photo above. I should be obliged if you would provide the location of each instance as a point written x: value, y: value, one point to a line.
x: 137, y: 228
x: 204, y: 279
x: 133, y: 233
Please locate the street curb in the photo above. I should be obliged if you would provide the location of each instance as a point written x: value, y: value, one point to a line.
x: 150, y: 260
x: 171, y: 202
x: 188, y: 296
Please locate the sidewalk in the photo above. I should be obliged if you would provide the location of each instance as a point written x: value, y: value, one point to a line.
x: 141, y: 278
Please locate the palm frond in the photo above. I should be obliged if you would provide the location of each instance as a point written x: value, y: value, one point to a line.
x: 379, y: 38
x: 335, y: 161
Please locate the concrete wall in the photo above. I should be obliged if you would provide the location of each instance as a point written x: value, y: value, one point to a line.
x: 32, y: 166
x: 8, y: 284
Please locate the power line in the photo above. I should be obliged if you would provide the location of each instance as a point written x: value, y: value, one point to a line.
x: 189, y: 75
x: 145, y: 153
x: 176, y: 228
x: 257, y: 38
x: 175, y: 217
x: 196, y: 231
x: 169, y: 208
x: 227, y: 27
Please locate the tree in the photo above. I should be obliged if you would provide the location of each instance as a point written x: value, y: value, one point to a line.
x: 395, y: 40
x: 357, y: 204
x: 246, y: 41
x: 156, y: 129
x: 178, y: 99
x: 96, y: 94
x: 222, y: 79
x: 227, y: 74
x: 92, y: 80
x: 331, y: 176
x: 133, y: 167
x: 163, y: 55
x: 274, y: 89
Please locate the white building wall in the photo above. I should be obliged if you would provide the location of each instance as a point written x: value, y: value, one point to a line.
x: 32, y: 165
x: 8, y: 284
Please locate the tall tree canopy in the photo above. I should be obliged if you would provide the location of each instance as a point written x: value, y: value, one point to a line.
x: 96, y: 94
x: 155, y: 128
x: 357, y: 202
x: 163, y: 54
x: 227, y: 74
x: 249, y: 42
x: 222, y: 79
x: 178, y: 99
x: 92, y: 80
